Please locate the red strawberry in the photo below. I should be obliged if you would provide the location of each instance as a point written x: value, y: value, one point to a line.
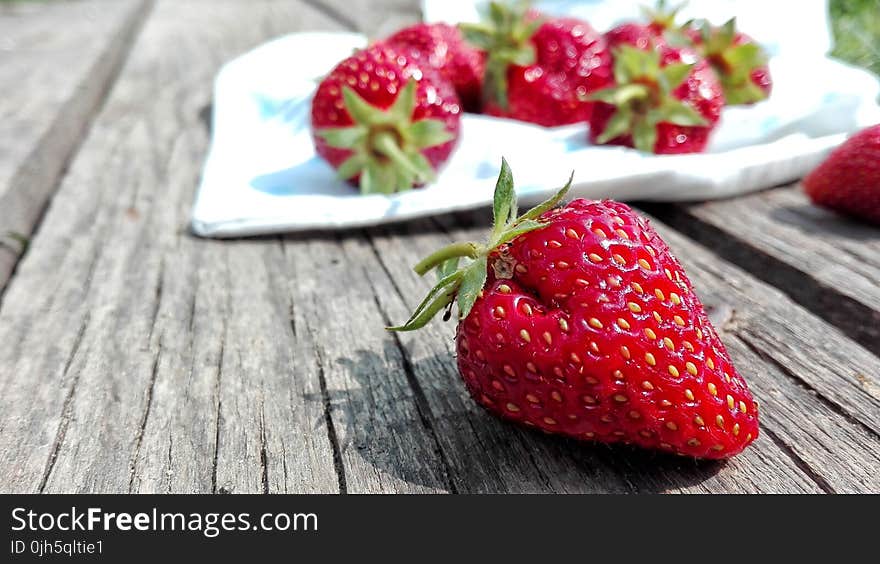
x: 442, y: 47
x: 741, y: 63
x: 579, y: 321
x: 539, y: 70
x: 383, y: 122
x: 849, y: 179
x: 666, y: 100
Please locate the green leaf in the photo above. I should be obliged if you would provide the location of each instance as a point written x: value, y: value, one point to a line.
x: 360, y: 110
x: 426, y: 172
x: 549, y: 203
x: 673, y: 75
x: 518, y: 229
x: 607, y: 95
x: 644, y: 136
x: 351, y: 166
x: 504, y: 205
x: 438, y: 298
x: 727, y: 32
x: 429, y: 133
x: 471, y: 284
x: 402, y: 109
x: 382, y: 177
x: 629, y: 92
x: 746, y: 56
x: 680, y: 113
x: 447, y: 267
x: 343, y: 137
x: 619, y: 124
x: 478, y: 35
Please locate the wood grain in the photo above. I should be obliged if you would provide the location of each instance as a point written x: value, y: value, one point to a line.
x: 54, y: 82
x: 135, y: 357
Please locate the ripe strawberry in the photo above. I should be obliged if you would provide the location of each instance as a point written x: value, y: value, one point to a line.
x: 383, y: 122
x: 739, y: 61
x: 442, y: 47
x: 539, y: 69
x: 578, y: 320
x: 849, y: 179
x: 666, y: 100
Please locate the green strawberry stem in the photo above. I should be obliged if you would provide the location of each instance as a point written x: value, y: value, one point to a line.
x: 386, y: 144
x: 505, y: 36
x: 469, y: 250
x: 464, y: 284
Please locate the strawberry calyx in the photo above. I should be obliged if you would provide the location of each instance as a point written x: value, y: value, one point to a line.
x: 462, y: 268
x: 505, y: 37
x: 733, y: 61
x: 386, y: 144
x: 643, y: 97
x: 662, y: 16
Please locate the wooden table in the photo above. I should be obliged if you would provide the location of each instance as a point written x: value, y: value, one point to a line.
x: 135, y: 357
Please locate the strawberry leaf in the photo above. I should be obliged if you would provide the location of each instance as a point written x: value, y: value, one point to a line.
x: 680, y: 113
x: 504, y: 205
x: 644, y: 136
x: 521, y: 227
x: 343, y: 137
x: 447, y: 267
x: 619, y: 124
x: 429, y: 133
x: 471, y: 285
x: 360, y: 110
x: 674, y: 74
x: 351, y: 167
x: 550, y: 203
x: 438, y: 298
x: 402, y: 108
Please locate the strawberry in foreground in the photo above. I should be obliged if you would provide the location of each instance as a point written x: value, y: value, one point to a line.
x: 441, y: 47
x: 539, y: 69
x: 666, y: 100
x: 739, y: 61
x: 383, y: 122
x: 849, y: 179
x: 579, y: 321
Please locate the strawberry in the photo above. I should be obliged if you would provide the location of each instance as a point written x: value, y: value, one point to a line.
x: 383, y: 122
x: 579, y: 321
x: 665, y: 100
x: 539, y: 69
x: 848, y: 181
x: 442, y: 48
x: 739, y: 61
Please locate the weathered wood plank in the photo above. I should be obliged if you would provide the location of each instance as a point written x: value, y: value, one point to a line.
x: 53, y: 83
x: 375, y: 18
x: 827, y: 263
x: 134, y: 357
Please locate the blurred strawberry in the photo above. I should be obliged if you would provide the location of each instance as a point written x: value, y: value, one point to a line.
x: 539, y: 69
x: 849, y: 179
x: 741, y: 63
x: 665, y: 100
x: 383, y: 122
x: 442, y: 47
